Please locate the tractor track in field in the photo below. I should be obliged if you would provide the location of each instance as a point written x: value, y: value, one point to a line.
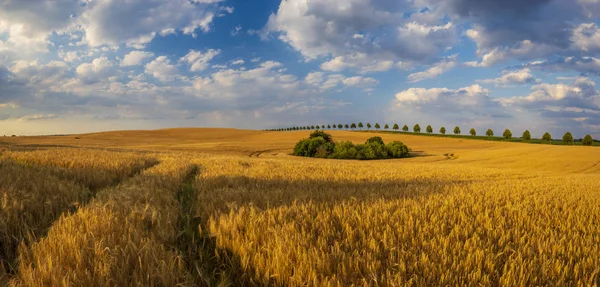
x: 259, y: 153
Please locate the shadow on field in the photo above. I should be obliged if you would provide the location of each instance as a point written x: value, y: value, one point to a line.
x: 224, y: 194
x: 36, y: 223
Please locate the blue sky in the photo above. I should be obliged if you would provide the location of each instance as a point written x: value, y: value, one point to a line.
x: 73, y: 66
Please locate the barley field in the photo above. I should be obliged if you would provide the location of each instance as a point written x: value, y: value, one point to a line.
x: 224, y: 207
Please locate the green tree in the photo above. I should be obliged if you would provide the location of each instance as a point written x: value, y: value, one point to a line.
x: 360, y: 125
x: 353, y: 126
x: 417, y: 128
x: 368, y: 126
x: 386, y: 126
x: 322, y: 126
x: 526, y: 135
x: 456, y: 130
x: 396, y: 127
x: 473, y: 132
x: 587, y: 140
x: 547, y: 137
x: 568, y: 138
x: 329, y: 126
x: 377, y: 126
x: 443, y: 130
x: 340, y: 126
x: 346, y: 126
x: 405, y: 128
x: 507, y: 134
x: 489, y: 133
x: 429, y: 129
x: 312, y: 127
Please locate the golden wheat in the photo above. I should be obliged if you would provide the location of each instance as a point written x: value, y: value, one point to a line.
x: 124, y: 237
x: 323, y: 223
x: 458, y: 213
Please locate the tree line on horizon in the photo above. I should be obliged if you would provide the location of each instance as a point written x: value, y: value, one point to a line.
x: 546, y: 137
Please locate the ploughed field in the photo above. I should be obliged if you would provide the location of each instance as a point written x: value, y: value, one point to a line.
x: 221, y: 207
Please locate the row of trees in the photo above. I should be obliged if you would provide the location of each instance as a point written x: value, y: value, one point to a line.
x: 567, y: 137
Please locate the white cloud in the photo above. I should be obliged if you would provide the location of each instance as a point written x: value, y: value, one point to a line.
x: 359, y: 61
x: 135, y: 58
x: 358, y: 81
x: 39, y: 75
x: 238, y: 62
x: 471, y: 97
x: 162, y: 69
x: 581, y: 93
x: 262, y: 83
x: 315, y: 78
x: 586, y: 37
x: 199, y: 61
x: 138, y: 21
x: 236, y: 31
x: 376, y: 30
x: 434, y: 71
x: 585, y: 65
x: 36, y: 117
x: 524, y: 50
x: 510, y: 78
x: 98, y: 65
x: 135, y: 22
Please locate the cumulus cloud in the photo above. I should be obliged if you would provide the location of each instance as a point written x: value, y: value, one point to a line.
x: 135, y: 58
x: 264, y: 82
x: 510, y: 78
x: 162, y: 69
x: 359, y: 61
x: 358, y: 81
x: 586, y: 37
x: 29, y: 24
x: 468, y: 103
x: 138, y: 21
x: 326, y: 82
x: 529, y: 30
x: 369, y: 35
x: 581, y: 93
x: 37, y: 74
x: 199, y: 61
x: 95, y: 71
x: 576, y: 104
x: 435, y: 70
x: 583, y: 65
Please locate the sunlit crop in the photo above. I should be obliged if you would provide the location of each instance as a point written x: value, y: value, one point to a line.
x: 456, y: 213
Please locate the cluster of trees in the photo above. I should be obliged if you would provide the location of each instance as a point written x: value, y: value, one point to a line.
x: 567, y: 138
x: 321, y: 145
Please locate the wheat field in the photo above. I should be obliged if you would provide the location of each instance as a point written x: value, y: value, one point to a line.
x: 224, y: 207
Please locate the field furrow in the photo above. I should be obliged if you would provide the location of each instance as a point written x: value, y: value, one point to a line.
x: 126, y: 236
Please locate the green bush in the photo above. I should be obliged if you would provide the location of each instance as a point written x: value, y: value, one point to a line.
x: 397, y: 149
x: 375, y: 140
x: 344, y: 150
x: 314, y: 147
x: 327, y: 137
x: 373, y: 148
